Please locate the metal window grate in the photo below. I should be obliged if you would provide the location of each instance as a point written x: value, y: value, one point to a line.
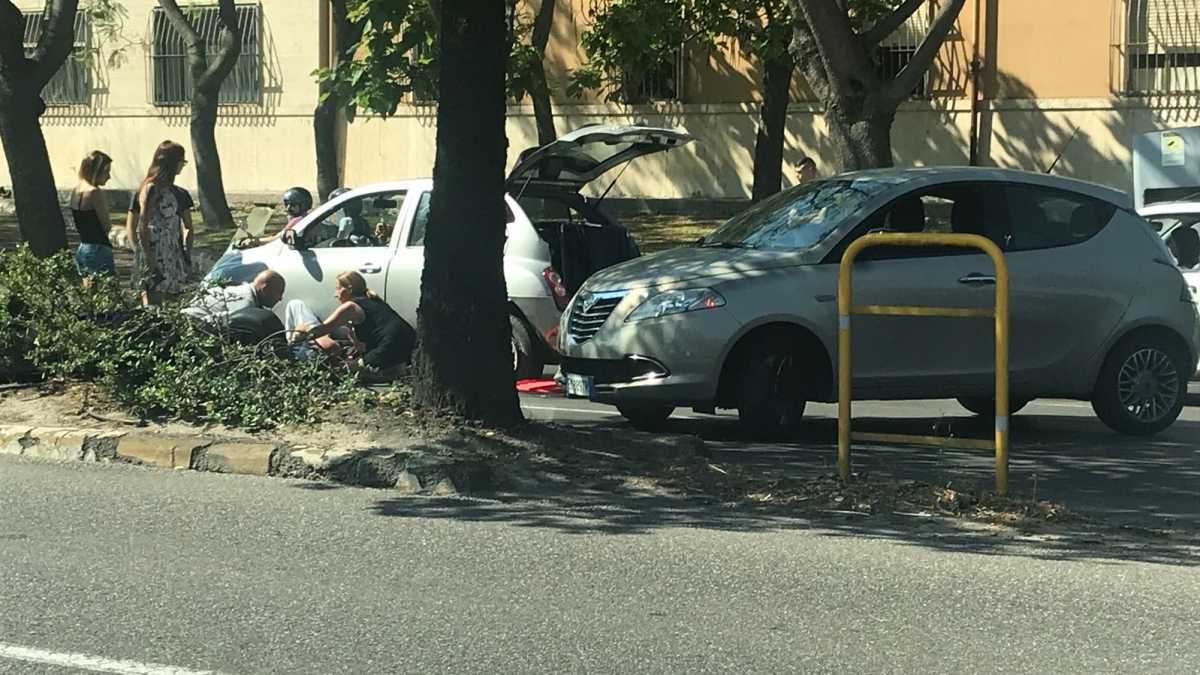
x: 1156, y: 44
x: 71, y: 85
x: 172, y: 77
x: 896, y: 50
x: 663, y: 82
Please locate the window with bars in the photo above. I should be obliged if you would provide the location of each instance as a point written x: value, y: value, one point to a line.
x: 71, y: 85
x: 663, y: 83
x: 896, y: 50
x: 660, y: 82
x: 1158, y: 46
x: 172, y: 77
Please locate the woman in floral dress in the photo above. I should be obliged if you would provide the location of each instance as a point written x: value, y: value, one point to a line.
x: 157, y: 228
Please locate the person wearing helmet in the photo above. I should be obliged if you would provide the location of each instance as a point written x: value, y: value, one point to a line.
x: 297, y: 202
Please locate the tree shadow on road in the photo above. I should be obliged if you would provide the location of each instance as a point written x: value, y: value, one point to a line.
x: 614, y: 497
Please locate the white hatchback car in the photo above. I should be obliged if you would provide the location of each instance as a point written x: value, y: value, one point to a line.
x: 1178, y: 223
x: 379, y: 231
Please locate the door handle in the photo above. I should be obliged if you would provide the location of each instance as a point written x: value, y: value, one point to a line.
x: 977, y: 279
x: 369, y: 268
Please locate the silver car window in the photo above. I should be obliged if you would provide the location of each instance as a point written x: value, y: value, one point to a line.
x: 1046, y: 218
x: 416, y: 234
x: 798, y: 218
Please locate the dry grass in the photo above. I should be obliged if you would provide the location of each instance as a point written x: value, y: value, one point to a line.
x: 659, y: 233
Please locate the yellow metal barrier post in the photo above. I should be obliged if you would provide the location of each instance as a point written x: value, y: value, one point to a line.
x: 847, y: 308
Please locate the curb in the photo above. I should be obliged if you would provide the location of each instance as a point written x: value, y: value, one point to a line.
x: 405, y: 470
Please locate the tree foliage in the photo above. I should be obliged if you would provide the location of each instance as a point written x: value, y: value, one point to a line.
x: 396, y: 58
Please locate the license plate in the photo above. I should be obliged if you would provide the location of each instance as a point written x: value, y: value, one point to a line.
x: 579, y: 386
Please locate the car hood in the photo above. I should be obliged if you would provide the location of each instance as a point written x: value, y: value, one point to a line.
x: 577, y: 158
x: 682, y: 265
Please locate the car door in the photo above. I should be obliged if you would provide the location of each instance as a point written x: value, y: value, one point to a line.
x: 408, y: 263
x: 916, y: 356
x: 1070, y: 283
x: 403, y: 291
x: 327, y: 248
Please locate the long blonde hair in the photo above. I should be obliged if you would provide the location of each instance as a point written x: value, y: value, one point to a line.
x: 356, y: 284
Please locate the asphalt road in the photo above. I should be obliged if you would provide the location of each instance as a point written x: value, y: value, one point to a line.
x: 121, y: 569
x: 1059, y: 450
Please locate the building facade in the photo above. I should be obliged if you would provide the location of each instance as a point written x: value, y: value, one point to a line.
x: 1072, y: 80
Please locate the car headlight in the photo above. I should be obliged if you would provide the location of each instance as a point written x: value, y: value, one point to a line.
x: 676, y: 302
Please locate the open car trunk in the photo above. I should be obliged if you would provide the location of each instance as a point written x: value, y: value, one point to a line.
x: 547, y: 181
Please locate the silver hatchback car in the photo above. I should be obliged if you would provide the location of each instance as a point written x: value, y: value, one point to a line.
x: 747, y: 318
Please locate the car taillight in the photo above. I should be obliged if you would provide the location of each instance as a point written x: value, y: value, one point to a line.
x: 557, y: 288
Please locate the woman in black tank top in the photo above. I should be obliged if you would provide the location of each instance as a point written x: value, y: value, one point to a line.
x: 387, y: 340
x: 89, y: 210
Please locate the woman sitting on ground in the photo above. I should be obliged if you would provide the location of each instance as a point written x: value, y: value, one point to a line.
x: 386, y: 340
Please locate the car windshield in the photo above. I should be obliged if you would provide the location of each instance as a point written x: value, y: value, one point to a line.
x: 798, y: 218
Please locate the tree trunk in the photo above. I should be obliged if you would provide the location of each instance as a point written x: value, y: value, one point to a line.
x: 207, y: 77
x: 210, y: 183
x: 861, y: 135
x: 325, y: 129
x: 39, y: 213
x: 464, y: 362
x: 543, y: 111
x: 539, y: 88
x: 22, y: 78
x: 326, y: 116
x: 772, y: 127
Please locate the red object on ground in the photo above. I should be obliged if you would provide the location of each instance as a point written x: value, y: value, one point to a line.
x: 539, y: 386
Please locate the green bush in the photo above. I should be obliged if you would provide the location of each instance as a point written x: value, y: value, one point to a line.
x: 155, y: 361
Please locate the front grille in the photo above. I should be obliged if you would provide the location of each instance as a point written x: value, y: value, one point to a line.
x: 589, y: 313
x: 614, y: 371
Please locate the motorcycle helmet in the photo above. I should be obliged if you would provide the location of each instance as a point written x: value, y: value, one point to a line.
x: 298, y: 201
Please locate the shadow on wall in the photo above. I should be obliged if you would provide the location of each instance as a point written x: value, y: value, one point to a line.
x: 1087, y: 144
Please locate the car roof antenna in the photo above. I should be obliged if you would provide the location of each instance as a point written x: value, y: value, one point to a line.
x: 1074, y: 130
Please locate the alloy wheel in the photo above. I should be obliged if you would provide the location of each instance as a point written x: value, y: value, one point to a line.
x: 1148, y: 385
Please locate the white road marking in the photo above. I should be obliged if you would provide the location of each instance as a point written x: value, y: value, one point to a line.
x: 95, y: 664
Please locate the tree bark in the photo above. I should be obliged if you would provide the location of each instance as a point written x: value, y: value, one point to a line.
x: 539, y: 87
x: 210, y: 181
x: 22, y: 79
x: 860, y: 106
x: 464, y: 362
x: 207, y: 77
x: 861, y: 135
x: 325, y: 131
x: 39, y: 213
x: 772, y: 126
x: 326, y: 116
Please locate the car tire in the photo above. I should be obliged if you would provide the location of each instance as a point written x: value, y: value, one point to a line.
x: 1142, y: 386
x: 770, y: 392
x: 986, y: 406
x: 645, y: 416
x: 527, y: 361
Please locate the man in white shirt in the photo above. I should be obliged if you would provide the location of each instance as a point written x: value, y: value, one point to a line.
x: 215, y: 305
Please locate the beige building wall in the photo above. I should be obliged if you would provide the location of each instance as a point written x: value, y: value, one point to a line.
x: 1047, y: 87
x: 260, y: 144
